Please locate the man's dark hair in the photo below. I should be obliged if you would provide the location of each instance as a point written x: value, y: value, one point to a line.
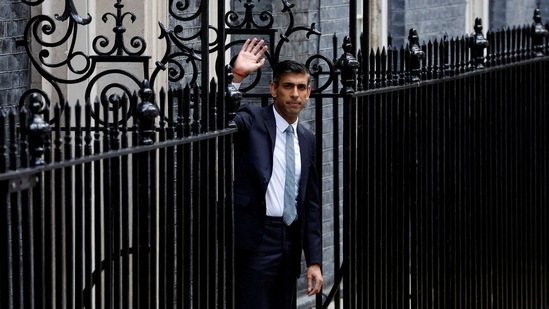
x: 289, y: 67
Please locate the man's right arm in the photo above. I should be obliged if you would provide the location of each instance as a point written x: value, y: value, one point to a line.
x: 244, y: 117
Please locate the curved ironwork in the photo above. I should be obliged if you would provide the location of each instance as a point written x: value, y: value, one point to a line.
x: 316, y: 69
x: 176, y: 70
x: 106, y: 94
x: 182, y: 39
x: 45, y: 32
x: 249, y: 23
x: 32, y: 3
x: 285, y: 37
x: 46, y: 26
x: 72, y: 12
x: 181, y: 7
x: 59, y: 52
x: 119, y: 47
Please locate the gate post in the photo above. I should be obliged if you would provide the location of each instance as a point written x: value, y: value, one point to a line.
x: 348, y: 65
x: 147, y: 111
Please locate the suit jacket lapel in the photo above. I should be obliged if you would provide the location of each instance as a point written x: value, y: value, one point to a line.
x: 270, y: 124
x: 305, y: 151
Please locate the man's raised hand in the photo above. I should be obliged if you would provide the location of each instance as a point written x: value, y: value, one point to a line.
x: 249, y: 59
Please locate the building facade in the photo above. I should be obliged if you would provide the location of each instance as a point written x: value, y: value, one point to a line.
x: 14, y: 65
x: 432, y: 19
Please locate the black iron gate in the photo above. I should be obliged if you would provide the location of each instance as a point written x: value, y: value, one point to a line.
x: 123, y: 198
x: 437, y: 162
x: 109, y: 219
x: 448, y: 174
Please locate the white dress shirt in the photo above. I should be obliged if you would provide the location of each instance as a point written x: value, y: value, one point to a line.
x: 274, y: 197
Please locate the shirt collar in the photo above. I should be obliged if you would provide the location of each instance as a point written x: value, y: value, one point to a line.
x: 282, y: 124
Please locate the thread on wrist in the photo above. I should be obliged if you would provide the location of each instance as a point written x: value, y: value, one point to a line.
x: 235, y: 72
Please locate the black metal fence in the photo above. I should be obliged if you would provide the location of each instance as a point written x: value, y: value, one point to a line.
x: 448, y: 175
x: 125, y: 201
x: 109, y: 218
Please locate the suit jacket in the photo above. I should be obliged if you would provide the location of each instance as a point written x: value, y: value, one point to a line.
x: 254, y: 146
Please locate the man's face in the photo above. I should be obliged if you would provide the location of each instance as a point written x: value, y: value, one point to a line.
x: 291, y: 95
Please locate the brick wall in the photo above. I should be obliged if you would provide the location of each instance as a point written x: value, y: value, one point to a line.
x: 435, y: 18
x: 14, y: 73
x: 516, y: 12
x: 431, y: 18
x: 544, y: 8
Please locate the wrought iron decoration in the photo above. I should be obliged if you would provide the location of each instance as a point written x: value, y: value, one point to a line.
x: 179, y: 59
x: 317, y: 64
x: 107, y: 51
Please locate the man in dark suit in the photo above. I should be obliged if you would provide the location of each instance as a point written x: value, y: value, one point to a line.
x: 276, y: 198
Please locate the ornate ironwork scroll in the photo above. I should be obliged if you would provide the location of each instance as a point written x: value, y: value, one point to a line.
x: 60, y: 56
x: 317, y: 64
x: 62, y: 61
x: 41, y: 30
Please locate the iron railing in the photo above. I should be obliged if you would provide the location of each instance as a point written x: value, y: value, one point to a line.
x: 445, y: 186
x: 437, y: 159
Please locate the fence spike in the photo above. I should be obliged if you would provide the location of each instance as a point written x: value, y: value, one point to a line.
x: 78, y: 129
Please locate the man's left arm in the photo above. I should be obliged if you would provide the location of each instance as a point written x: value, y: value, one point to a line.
x: 313, y: 243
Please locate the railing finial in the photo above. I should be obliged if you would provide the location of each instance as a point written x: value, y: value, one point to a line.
x: 479, y: 43
x: 36, y: 130
x: 147, y: 111
x: 539, y: 35
x: 348, y: 65
x: 415, y: 56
